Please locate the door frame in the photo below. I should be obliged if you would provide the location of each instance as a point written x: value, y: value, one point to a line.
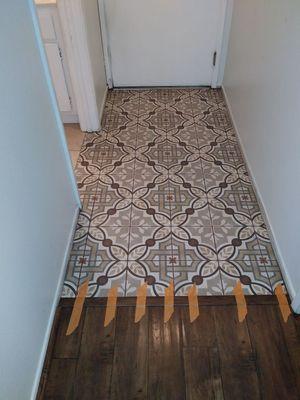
x: 220, y: 47
x: 75, y: 39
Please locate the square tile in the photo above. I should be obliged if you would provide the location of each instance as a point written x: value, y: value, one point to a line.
x: 198, y: 216
x: 100, y: 284
x: 140, y: 272
x: 208, y: 286
x: 146, y: 175
x: 250, y: 286
x: 110, y: 198
x: 141, y: 215
x: 147, y: 243
x: 253, y: 276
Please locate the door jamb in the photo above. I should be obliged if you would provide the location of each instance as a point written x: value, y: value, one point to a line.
x: 222, y: 43
x: 221, y: 48
x: 75, y: 38
x: 105, y: 43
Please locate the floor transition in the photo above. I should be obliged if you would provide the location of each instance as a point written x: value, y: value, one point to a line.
x: 215, y: 357
x: 166, y: 196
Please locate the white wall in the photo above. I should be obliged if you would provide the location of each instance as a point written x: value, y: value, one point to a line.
x: 92, y: 25
x: 37, y: 202
x: 263, y: 89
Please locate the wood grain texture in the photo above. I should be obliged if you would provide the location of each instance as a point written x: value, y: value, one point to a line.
x: 276, y: 375
x: 129, y: 377
x: 165, y: 379
x: 60, y: 382
x: 215, y: 357
x: 95, y: 361
x: 238, y: 367
x: 67, y: 346
x: 202, y: 373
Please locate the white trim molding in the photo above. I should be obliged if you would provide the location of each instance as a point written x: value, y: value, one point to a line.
x: 219, y: 45
x: 105, y: 45
x: 223, y: 48
x: 75, y: 36
x: 296, y: 303
x: 102, y: 106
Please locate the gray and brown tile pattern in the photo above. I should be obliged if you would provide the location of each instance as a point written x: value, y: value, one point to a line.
x: 166, y: 195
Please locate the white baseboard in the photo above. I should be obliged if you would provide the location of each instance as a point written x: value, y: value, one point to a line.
x: 287, y: 279
x: 54, y: 307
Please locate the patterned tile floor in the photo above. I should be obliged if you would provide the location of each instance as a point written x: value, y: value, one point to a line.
x: 166, y: 195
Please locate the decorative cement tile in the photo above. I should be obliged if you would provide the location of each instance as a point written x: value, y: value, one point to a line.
x: 166, y: 195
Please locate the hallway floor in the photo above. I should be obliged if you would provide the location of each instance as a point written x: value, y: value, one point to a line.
x: 166, y: 195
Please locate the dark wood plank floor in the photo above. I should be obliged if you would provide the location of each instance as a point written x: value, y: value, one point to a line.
x: 216, y: 357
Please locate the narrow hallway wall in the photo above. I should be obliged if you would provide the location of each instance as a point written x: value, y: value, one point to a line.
x: 263, y: 90
x: 38, y: 203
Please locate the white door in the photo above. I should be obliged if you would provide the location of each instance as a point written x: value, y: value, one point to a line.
x: 58, y: 65
x: 164, y: 42
x: 58, y: 76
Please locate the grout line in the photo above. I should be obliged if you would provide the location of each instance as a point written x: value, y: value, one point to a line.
x: 131, y: 207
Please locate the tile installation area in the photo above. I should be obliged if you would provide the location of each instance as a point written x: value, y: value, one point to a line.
x: 166, y: 196
x: 150, y: 160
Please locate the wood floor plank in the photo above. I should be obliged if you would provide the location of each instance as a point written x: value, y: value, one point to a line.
x: 202, y: 373
x: 238, y: 367
x: 60, y: 382
x: 293, y: 345
x: 93, y: 377
x: 67, y: 346
x: 215, y: 357
x: 277, y: 379
x: 129, y: 377
x: 216, y: 374
x: 202, y: 331
x: 165, y: 371
x: 201, y: 356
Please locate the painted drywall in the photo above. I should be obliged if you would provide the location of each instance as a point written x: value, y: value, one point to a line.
x: 263, y: 90
x: 94, y: 41
x: 38, y: 202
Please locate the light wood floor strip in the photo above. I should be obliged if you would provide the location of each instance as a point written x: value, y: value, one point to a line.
x: 240, y: 301
x: 169, y: 302
x: 193, y: 303
x: 140, y: 308
x: 283, y: 303
x: 77, y: 309
x: 111, y: 306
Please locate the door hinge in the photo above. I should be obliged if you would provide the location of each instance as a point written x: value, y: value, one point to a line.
x: 60, y: 52
x: 71, y: 105
x: 214, y: 58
